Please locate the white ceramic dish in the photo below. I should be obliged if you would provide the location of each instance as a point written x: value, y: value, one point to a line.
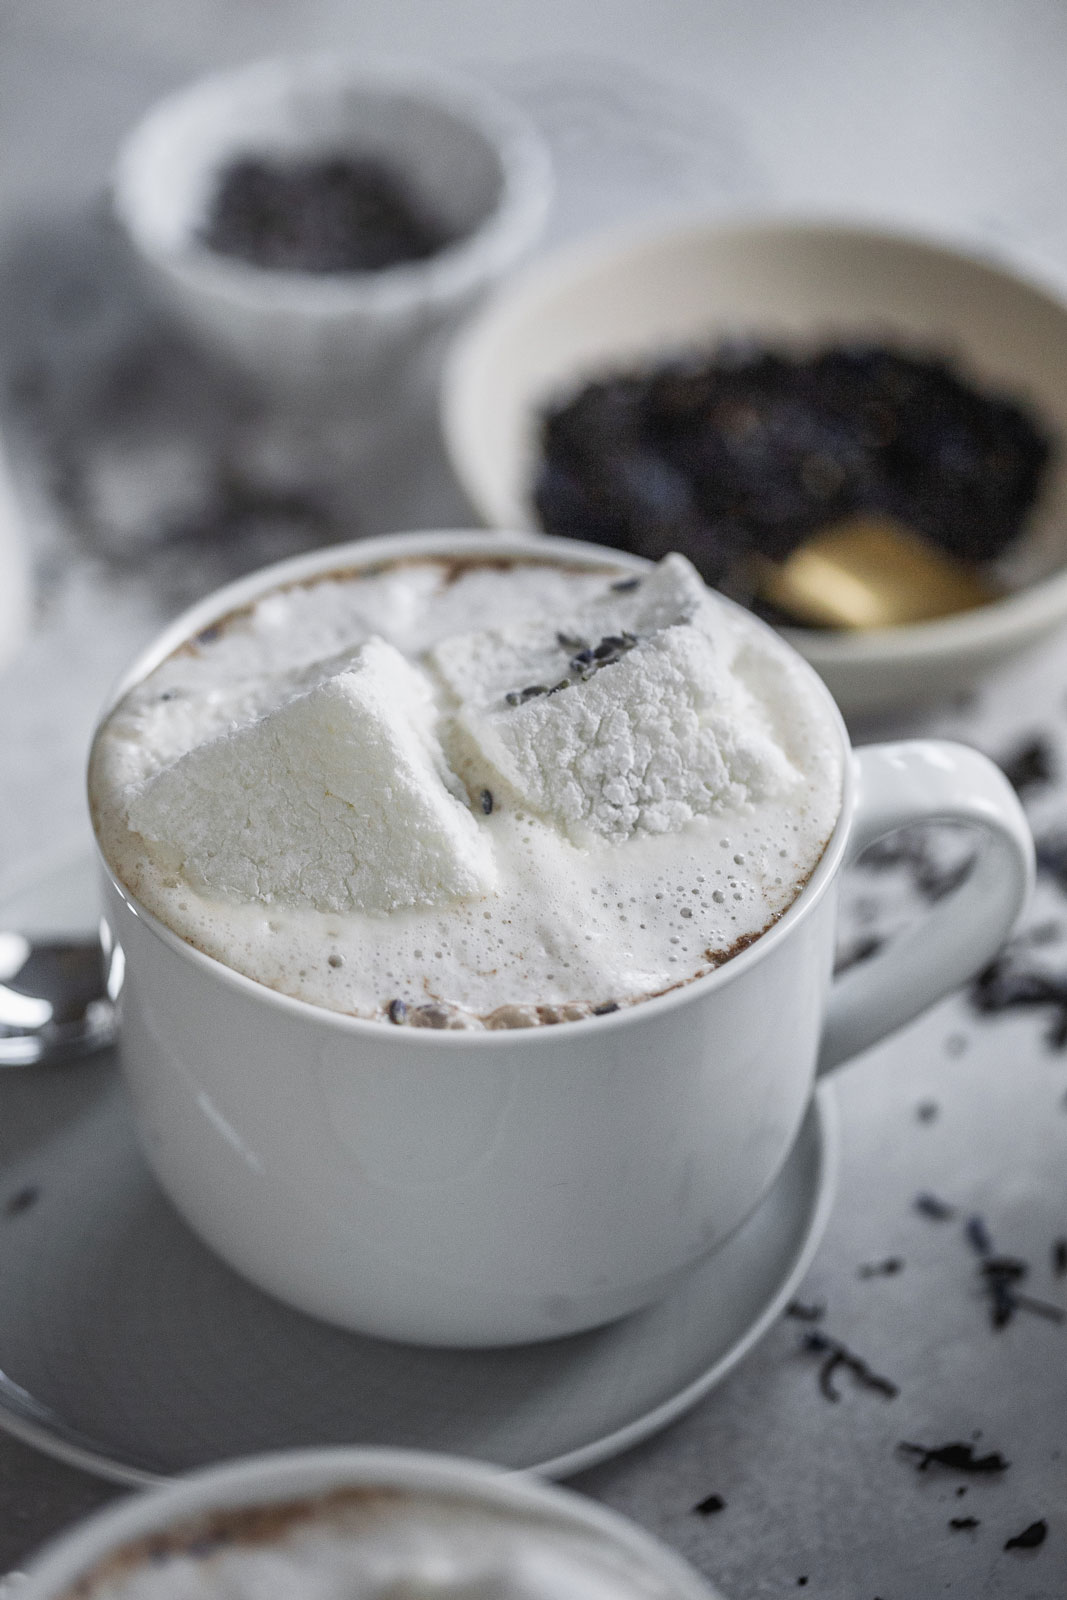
x: 129, y: 1350
x: 610, y: 1544
x: 474, y: 158
x: 613, y: 303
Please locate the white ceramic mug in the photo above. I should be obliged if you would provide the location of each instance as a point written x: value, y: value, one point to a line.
x: 621, y: 1557
x: 479, y: 1188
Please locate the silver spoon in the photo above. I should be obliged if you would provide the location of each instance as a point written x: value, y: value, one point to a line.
x: 57, y: 998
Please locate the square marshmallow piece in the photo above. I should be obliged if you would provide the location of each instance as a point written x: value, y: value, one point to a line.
x: 666, y: 733
x: 339, y: 800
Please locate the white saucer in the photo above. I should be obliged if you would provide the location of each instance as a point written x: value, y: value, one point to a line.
x: 127, y: 1349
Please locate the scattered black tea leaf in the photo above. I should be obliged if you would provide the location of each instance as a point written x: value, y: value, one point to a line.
x: 1001, y: 1278
x: 802, y: 1311
x: 978, y: 1236
x: 750, y: 448
x: 963, y: 1522
x: 710, y: 1505
x: 881, y: 1269
x: 802, y: 1582
x: 22, y: 1200
x: 1029, y: 765
x: 1041, y: 1308
x: 1013, y: 982
x: 1052, y: 857
x: 1059, y: 1258
x: 1000, y: 1275
x: 1030, y: 1538
x: 860, y: 949
x: 837, y: 1356
x: 919, y: 852
x: 929, y: 1205
x: 958, y: 1457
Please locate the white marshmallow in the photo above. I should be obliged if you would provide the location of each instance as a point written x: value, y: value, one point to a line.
x: 665, y: 733
x: 337, y: 800
x: 479, y: 668
x: 647, y: 743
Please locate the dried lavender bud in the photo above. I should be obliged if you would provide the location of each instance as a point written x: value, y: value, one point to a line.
x: 519, y: 697
x: 928, y: 1205
x: 485, y: 800
x: 605, y: 1008
x: 710, y: 1505
x: 397, y: 1011
x: 626, y: 585
x: 963, y: 1522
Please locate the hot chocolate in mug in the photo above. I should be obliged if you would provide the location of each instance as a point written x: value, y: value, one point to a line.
x: 479, y: 1187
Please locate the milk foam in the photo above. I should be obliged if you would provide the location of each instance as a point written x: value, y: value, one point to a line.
x: 374, y: 1545
x: 558, y: 834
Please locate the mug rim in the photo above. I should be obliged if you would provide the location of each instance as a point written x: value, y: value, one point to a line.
x: 278, y: 1476
x: 236, y: 596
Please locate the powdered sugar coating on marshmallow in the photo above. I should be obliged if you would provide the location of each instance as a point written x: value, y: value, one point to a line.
x: 339, y: 799
x: 633, y: 719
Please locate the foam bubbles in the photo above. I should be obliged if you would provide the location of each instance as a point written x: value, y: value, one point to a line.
x: 567, y: 924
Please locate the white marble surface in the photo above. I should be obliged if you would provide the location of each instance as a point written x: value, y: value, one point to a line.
x: 146, y: 478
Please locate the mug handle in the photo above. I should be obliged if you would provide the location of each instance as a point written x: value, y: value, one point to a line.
x: 930, y: 780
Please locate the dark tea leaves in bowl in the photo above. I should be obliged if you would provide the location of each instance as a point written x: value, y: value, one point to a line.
x: 332, y: 214
x: 745, y: 457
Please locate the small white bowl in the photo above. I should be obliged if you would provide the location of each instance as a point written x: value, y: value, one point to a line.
x: 630, y: 300
x: 473, y: 158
